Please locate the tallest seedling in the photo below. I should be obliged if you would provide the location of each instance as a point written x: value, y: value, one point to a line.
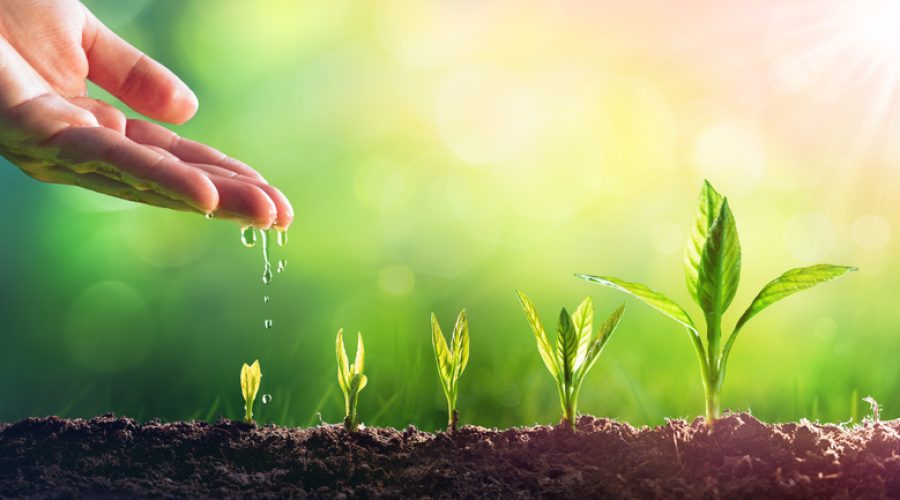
x: 712, y: 265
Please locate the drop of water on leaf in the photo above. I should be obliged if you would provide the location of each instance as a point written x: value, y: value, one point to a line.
x: 267, y: 323
x: 266, y: 399
x: 248, y: 237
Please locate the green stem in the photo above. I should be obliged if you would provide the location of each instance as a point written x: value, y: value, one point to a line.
x: 351, y: 421
x: 713, y: 384
x: 712, y: 403
x: 248, y: 412
x: 571, y: 409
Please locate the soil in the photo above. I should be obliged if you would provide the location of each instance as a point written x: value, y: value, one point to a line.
x: 740, y: 457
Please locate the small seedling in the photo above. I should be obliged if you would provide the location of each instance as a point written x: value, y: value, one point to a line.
x: 250, y: 378
x: 712, y: 266
x: 451, y: 361
x: 351, y: 379
x: 577, y: 349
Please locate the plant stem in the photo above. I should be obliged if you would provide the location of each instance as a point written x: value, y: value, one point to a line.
x: 351, y: 421
x: 712, y: 384
x: 571, y: 410
x: 454, y: 420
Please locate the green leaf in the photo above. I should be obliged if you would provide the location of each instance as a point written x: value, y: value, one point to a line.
x: 343, y: 362
x: 599, y: 341
x: 583, y: 321
x: 540, y: 335
x: 720, y: 264
x: 653, y: 299
x: 441, y: 353
x: 360, y: 354
x: 790, y: 283
x: 460, y: 344
x: 566, y: 345
x: 708, y: 208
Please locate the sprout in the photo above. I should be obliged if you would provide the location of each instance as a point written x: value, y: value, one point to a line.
x: 577, y: 349
x: 351, y: 379
x: 250, y: 378
x: 451, y: 361
x: 712, y: 268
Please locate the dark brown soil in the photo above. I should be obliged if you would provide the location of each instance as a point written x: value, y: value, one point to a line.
x: 740, y: 458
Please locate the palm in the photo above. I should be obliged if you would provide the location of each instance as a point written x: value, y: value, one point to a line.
x: 55, y: 133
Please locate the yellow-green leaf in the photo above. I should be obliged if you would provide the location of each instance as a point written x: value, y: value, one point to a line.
x: 720, y: 264
x: 360, y: 354
x: 343, y: 362
x: 540, y: 335
x: 441, y: 353
x: 250, y: 379
x: 599, y: 341
x: 653, y: 299
x: 566, y: 345
x: 460, y: 344
x: 708, y: 207
x: 790, y: 283
x: 583, y: 321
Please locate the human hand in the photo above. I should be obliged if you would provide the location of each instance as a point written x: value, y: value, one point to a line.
x: 55, y: 133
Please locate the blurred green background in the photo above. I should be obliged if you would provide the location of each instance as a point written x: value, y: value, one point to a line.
x: 441, y: 155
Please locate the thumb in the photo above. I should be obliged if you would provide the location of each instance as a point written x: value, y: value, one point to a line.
x: 145, y: 85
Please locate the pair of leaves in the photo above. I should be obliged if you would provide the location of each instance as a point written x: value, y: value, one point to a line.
x: 350, y: 376
x: 251, y: 375
x: 577, y: 349
x: 451, y: 360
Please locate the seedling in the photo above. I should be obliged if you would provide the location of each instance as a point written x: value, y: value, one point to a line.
x: 351, y: 379
x: 712, y: 265
x: 451, y: 361
x: 250, y: 378
x: 577, y: 349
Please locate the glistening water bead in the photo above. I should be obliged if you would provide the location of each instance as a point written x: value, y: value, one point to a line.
x: 267, y: 323
x: 266, y: 399
x: 248, y: 236
x: 281, y: 264
x: 267, y: 272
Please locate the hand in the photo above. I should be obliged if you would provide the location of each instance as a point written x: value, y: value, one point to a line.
x: 55, y: 133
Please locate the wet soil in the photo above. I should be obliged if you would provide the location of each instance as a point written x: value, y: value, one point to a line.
x: 740, y: 457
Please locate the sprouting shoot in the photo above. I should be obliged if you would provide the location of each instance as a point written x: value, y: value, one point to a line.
x: 451, y: 360
x: 577, y: 348
x: 351, y: 379
x: 250, y: 378
x: 712, y: 265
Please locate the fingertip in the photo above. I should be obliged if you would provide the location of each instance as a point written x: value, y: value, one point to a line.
x: 178, y: 105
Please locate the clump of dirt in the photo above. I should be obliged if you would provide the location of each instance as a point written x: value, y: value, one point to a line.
x: 740, y: 457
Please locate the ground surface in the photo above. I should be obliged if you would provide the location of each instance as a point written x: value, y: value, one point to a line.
x: 740, y: 458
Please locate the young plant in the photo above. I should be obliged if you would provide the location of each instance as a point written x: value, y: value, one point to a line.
x: 250, y: 378
x: 351, y: 379
x: 577, y: 349
x: 451, y: 361
x: 712, y: 265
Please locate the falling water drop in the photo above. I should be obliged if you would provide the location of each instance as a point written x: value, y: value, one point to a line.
x: 281, y: 265
x: 248, y: 237
x: 208, y: 215
x: 282, y: 238
x: 267, y: 271
x: 265, y: 299
x: 267, y: 323
x: 266, y: 399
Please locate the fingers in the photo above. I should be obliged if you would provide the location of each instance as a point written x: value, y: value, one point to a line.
x: 211, y: 161
x: 143, y: 84
x: 107, y: 115
x: 145, y: 132
x: 102, y: 150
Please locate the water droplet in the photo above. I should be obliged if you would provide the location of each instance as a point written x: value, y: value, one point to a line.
x: 266, y: 399
x: 265, y: 299
x: 208, y: 215
x: 248, y: 237
x: 267, y: 274
x: 282, y: 238
x: 281, y: 265
x: 267, y: 323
